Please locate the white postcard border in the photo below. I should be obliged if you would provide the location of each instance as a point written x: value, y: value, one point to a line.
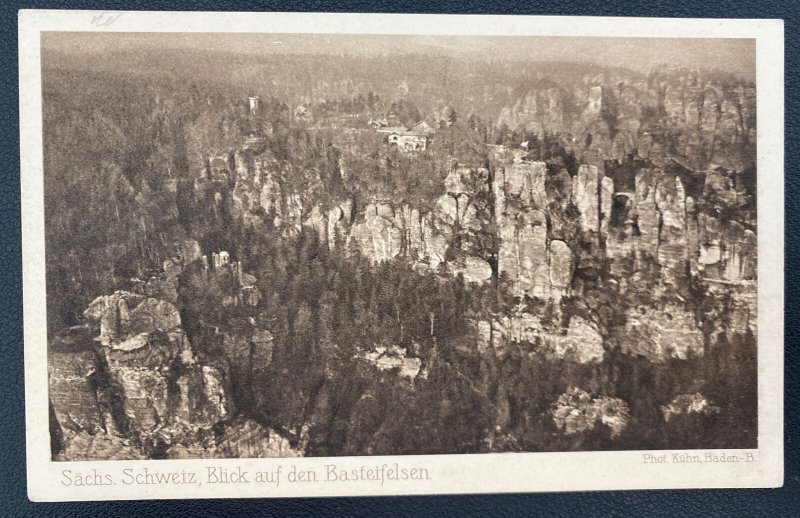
x: 478, y: 473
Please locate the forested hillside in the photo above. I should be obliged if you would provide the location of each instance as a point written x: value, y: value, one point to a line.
x: 569, y: 264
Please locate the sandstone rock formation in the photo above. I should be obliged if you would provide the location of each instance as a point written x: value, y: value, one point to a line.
x: 661, y: 333
x: 577, y: 411
x: 534, y: 264
x: 707, y: 120
x: 582, y: 341
x: 242, y: 439
x: 585, y: 187
x: 579, y: 341
x: 73, y: 395
x: 128, y: 384
x: 688, y: 404
x: 394, y: 357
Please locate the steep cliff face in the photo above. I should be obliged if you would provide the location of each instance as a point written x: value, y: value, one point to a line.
x: 607, y: 240
x: 689, y: 114
x: 128, y: 384
x: 548, y: 226
x: 380, y: 229
x: 543, y: 110
x: 579, y: 341
x: 533, y: 261
x: 661, y: 220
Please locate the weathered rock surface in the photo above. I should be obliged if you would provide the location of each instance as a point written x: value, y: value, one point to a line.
x: 91, y: 447
x: 688, y: 404
x: 525, y: 183
x: 534, y: 264
x: 577, y: 411
x: 523, y: 253
x: 73, y: 393
x: 242, y: 439
x: 661, y: 333
x: 585, y: 196
x: 138, y: 388
x: 394, y: 357
x: 377, y: 237
x: 582, y: 341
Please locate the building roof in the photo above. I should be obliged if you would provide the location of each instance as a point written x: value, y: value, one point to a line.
x: 392, y: 129
x: 421, y: 127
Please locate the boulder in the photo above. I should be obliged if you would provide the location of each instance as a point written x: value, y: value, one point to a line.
x: 577, y: 411
x: 474, y: 270
x: 688, y: 404
x: 153, y: 315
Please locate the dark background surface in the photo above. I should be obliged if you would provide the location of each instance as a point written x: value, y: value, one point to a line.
x: 761, y: 502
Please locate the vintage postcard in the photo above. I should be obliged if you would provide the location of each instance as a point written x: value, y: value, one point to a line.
x: 291, y: 255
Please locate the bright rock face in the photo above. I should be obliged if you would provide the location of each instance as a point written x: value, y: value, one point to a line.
x: 526, y: 182
x: 394, y: 357
x: 688, y: 404
x: 377, y: 237
x: 474, y: 270
x: 582, y: 341
x: 663, y: 333
x: 649, y: 217
x: 560, y: 268
x: 523, y: 252
x: 139, y: 385
x: 533, y: 266
x: 670, y: 198
x: 585, y: 189
x: 577, y: 411
x: 727, y: 253
x: 606, y: 203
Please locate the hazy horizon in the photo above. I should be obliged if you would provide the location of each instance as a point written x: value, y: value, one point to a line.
x: 736, y: 56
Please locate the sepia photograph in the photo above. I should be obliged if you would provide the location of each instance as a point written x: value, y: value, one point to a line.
x: 292, y: 245
x: 327, y: 245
